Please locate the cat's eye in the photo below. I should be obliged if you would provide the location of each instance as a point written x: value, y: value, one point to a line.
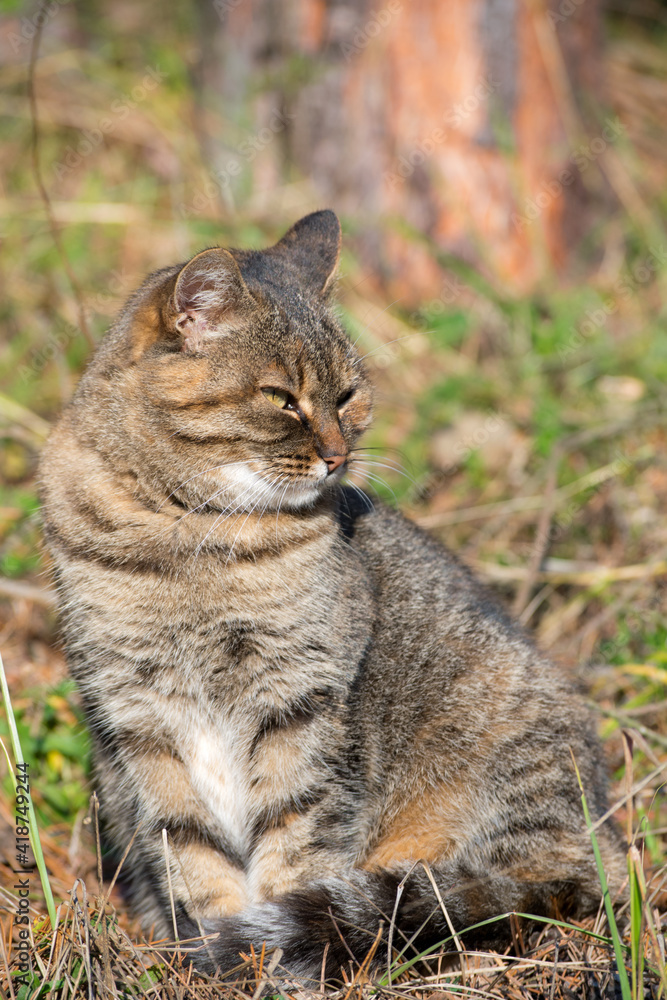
x: 278, y: 397
x: 345, y: 398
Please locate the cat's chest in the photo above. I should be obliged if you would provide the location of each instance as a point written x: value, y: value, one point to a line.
x: 266, y: 631
x: 215, y: 754
x: 245, y: 767
x: 266, y: 684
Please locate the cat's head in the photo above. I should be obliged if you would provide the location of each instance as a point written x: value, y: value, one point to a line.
x: 232, y: 381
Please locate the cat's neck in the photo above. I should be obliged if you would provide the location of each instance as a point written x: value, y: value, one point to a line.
x: 238, y: 536
x: 117, y: 519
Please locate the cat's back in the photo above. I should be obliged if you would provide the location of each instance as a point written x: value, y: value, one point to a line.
x: 423, y: 592
x: 450, y: 674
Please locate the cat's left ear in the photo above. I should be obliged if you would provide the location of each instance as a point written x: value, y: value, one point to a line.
x: 312, y: 247
x: 208, y: 296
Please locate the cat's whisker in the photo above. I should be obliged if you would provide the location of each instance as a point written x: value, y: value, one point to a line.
x: 274, y: 486
x: 383, y: 465
x: 371, y: 459
x: 280, y: 501
x: 248, y: 494
x: 236, y: 537
x: 194, y: 510
x: 377, y: 447
x: 366, y: 326
x: 367, y: 500
x: 243, y: 499
x: 239, y: 510
x: 238, y: 500
x: 381, y: 482
x: 269, y: 500
x: 402, y: 461
x: 222, y: 516
x: 225, y: 512
x: 381, y: 347
x: 350, y: 480
x: 368, y: 478
x: 213, y: 468
x: 378, y: 479
x: 286, y: 479
x: 368, y: 450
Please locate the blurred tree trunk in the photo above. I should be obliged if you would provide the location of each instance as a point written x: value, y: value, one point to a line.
x: 455, y: 120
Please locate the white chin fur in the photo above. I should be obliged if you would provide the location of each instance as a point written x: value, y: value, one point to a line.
x: 301, y: 495
x: 252, y: 491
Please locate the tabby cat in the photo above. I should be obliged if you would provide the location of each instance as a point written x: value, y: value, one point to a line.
x: 331, y: 719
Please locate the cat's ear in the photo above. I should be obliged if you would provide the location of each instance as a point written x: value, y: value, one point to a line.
x: 209, y: 295
x: 312, y: 247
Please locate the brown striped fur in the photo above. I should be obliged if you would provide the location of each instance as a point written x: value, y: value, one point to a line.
x: 311, y: 696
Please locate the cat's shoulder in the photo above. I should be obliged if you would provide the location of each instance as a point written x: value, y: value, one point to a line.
x: 365, y: 521
x: 407, y: 560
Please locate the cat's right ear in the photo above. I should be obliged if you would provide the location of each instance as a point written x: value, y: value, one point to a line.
x: 312, y: 247
x: 209, y: 295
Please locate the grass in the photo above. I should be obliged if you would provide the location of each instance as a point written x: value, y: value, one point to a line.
x: 26, y: 819
x: 635, y: 910
x: 486, y: 406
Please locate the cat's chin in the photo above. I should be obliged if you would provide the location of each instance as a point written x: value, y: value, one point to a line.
x: 304, y: 494
x: 300, y: 496
x: 248, y: 490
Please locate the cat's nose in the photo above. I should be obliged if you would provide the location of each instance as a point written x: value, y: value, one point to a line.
x: 334, y: 461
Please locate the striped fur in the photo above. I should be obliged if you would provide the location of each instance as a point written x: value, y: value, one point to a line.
x: 312, y: 697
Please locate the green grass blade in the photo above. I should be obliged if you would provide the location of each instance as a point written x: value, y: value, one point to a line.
x: 609, y: 909
x: 33, y: 831
x: 10, y: 766
x: 484, y: 923
x: 636, y: 921
x: 635, y: 925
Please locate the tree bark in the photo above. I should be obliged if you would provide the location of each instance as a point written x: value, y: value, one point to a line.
x: 428, y: 125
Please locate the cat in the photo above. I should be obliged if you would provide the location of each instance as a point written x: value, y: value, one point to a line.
x: 343, y: 736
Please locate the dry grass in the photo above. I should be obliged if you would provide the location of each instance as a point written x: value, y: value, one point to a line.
x: 92, y: 955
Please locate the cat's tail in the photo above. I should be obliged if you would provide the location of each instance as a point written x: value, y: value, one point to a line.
x: 340, y: 920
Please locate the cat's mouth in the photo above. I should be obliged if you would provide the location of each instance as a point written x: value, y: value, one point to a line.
x: 304, y: 490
